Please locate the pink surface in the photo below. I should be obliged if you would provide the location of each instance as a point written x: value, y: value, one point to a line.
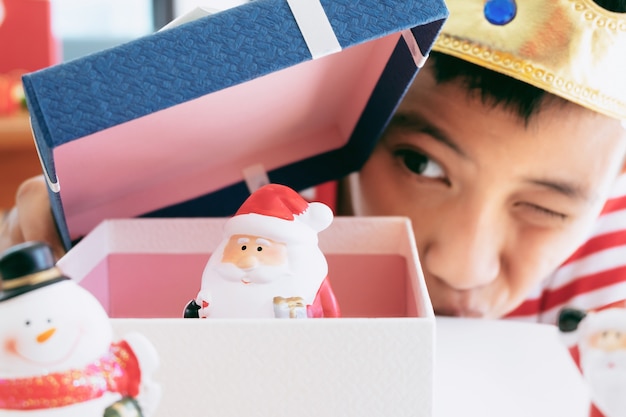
x: 97, y: 283
x: 203, y: 145
x: 159, y: 286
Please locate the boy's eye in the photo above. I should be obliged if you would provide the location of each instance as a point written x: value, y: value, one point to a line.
x: 547, y: 212
x: 550, y: 213
x: 419, y: 163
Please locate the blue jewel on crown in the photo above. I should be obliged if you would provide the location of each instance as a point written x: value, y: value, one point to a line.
x: 500, y: 12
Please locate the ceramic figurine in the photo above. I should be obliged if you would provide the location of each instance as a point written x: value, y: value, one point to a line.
x: 269, y: 263
x: 57, y: 354
x: 600, y: 349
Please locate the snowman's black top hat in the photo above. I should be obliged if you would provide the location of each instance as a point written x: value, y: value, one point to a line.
x: 26, y: 267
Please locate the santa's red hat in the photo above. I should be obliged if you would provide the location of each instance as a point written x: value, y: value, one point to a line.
x: 279, y: 213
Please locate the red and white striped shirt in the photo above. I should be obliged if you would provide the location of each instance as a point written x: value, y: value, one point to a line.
x: 594, y: 277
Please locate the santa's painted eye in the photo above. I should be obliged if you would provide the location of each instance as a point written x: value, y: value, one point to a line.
x: 244, y: 247
x: 259, y: 249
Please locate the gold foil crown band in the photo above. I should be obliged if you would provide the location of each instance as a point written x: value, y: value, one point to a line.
x: 574, y: 49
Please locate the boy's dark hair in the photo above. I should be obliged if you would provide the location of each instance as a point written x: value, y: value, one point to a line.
x: 498, y: 89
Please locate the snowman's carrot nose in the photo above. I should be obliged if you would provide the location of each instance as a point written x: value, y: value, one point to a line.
x: 43, y: 336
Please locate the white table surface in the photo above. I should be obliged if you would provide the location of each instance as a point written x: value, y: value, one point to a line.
x: 502, y: 368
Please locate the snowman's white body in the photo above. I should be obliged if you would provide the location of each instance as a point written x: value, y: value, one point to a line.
x: 58, y: 328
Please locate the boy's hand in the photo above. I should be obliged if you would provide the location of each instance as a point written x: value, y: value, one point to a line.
x: 30, y: 219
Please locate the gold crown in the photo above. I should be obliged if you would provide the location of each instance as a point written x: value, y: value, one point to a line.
x: 571, y: 48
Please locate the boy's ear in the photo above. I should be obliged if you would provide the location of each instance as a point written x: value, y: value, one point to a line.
x: 569, y: 318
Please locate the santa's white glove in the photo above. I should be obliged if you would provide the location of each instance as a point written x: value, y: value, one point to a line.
x: 204, y: 301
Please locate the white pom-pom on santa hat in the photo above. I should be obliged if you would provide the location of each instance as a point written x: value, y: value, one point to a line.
x: 279, y: 213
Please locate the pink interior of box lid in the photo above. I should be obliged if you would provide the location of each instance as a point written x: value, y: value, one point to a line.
x: 205, y: 144
x: 159, y: 286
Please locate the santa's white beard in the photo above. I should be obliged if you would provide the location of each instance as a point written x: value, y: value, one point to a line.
x: 262, y: 274
x: 605, y: 373
x: 229, y: 297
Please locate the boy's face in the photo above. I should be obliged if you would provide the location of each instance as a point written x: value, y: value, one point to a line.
x: 496, y: 205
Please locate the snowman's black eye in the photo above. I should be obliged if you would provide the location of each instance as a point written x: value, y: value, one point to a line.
x: 27, y: 322
x: 49, y: 320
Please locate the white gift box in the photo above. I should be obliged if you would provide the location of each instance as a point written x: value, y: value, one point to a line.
x: 187, y: 122
x: 377, y: 360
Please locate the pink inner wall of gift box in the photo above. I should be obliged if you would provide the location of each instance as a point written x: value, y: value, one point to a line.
x: 205, y: 144
x: 365, y: 285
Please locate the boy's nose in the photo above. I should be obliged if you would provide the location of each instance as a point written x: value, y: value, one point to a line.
x: 464, y: 254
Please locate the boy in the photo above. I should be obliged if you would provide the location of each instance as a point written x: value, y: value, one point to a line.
x: 503, y: 181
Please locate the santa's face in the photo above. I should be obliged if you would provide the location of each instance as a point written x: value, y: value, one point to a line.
x: 246, y: 272
x: 603, y: 362
x: 54, y: 328
x: 252, y: 259
x: 608, y: 340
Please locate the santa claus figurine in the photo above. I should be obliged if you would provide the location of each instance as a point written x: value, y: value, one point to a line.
x: 269, y: 263
x: 597, y: 341
x: 57, y: 357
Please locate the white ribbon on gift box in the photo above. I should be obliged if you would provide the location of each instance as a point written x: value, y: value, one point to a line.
x: 320, y: 36
x: 414, y: 48
x: 315, y: 27
x: 255, y: 177
x: 54, y: 186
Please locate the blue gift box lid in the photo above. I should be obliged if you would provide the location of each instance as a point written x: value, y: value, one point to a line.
x: 186, y: 121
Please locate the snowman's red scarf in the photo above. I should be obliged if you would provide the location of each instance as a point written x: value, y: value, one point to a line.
x: 117, y: 371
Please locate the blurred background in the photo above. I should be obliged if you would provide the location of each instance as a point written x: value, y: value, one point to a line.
x: 86, y: 26
x: 35, y: 34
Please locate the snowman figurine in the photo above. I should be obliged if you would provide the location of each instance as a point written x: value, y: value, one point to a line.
x: 57, y: 354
